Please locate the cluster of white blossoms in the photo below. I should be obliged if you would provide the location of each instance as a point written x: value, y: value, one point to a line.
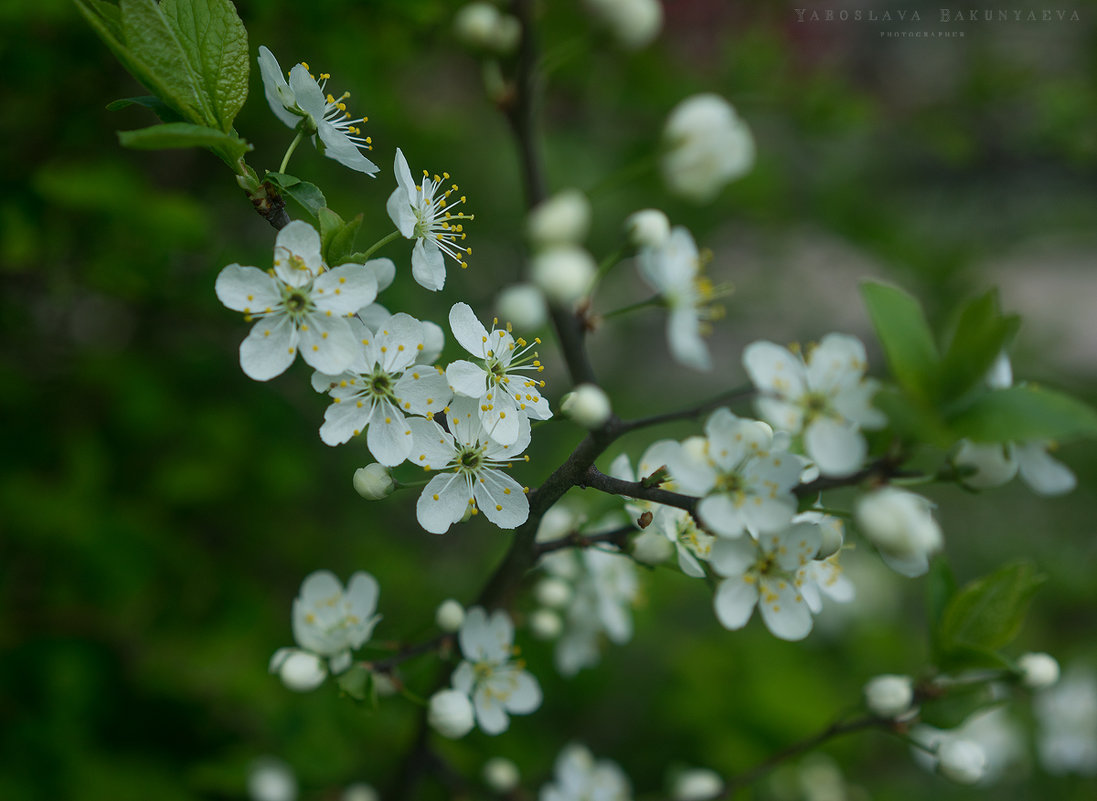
x: 579, y: 777
x: 489, y: 684
x: 328, y: 623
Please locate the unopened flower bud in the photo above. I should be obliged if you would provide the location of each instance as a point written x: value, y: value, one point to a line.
x: 588, y: 405
x: 553, y: 592
x: 301, y: 671
x: 831, y: 538
x: 633, y: 23
x: 1038, y: 670
x: 707, y: 146
x: 889, y: 696
x: 501, y: 775
x: 564, y: 273
x: 963, y: 761
x: 563, y: 219
x: 271, y: 779
x: 360, y: 791
x: 545, y: 624
x: 523, y: 304
x: 697, y: 784
x: 994, y: 464
x: 450, y: 714
x: 647, y: 228
x: 373, y: 482
x: 474, y: 25
x: 449, y: 616
x: 898, y: 522
x: 651, y: 547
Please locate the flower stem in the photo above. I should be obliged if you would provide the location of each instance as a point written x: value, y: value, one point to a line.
x: 656, y: 300
x: 607, y: 264
x: 380, y: 243
x: 289, y: 151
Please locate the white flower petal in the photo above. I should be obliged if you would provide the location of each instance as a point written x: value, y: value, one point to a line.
x: 443, y: 503
x: 687, y: 346
x: 734, y: 602
x: 297, y: 258
x: 733, y: 557
x: 389, y: 437
x: 784, y: 611
x: 525, y: 693
x: 720, y: 514
x: 247, y: 289
x: 1044, y: 474
x: 328, y: 344
x: 423, y: 391
x: 433, y: 446
x: 467, y: 379
x: 345, y: 419
x: 339, y: 148
x: 837, y: 448
x: 427, y: 266
x: 774, y: 369
x: 468, y: 330
x: 269, y: 349
x: 345, y: 290
x: 383, y: 270
x: 490, y: 715
x: 404, y: 179
x: 279, y: 95
x: 501, y: 499
x: 401, y: 213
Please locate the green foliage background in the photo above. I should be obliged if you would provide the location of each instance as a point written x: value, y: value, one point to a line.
x: 160, y: 509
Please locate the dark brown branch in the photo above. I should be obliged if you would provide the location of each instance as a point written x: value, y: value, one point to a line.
x: 576, y: 539
x: 596, y: 479
x: 731, y: 396
x: 390, y: 663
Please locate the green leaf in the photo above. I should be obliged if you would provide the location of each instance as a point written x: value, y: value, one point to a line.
x: 981, y: 334
x: 1025, y: 413
x: 216, y: 45
x: 913, y: 420
x: 152, y: 41
x: 162, y: 109
x: 940, y: 589
x: 905, y: 335
x: 308, y: 195
x: 988, y: 612
x: 181, y: 134
x: 357, y: 682
x: 957, y: 705
x: 341, y: 245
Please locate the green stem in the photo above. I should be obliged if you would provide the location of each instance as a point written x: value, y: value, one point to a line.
x: 415, y: 699
x: 607, y: 264
x: 380, y: 243
x: 405, y: 484
x: 657, y: 300
x: 289, y: 151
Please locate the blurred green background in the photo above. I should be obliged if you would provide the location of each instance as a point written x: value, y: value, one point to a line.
x: 160, y: 509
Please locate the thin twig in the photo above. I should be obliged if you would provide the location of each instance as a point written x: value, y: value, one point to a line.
x: 731, y: 396
x: 577, y: 539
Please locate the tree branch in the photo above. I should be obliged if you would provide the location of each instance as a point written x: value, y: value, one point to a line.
x: 576, y: 539
x: 732, y: 395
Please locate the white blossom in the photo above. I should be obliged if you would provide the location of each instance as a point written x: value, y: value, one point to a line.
x: 481, y: 26
x: 765, y: 573
x: 325, y: 116
x: 424, y: 212
x: 298, y: 304
x: 471, y: 461
x: 578, y: 777
x: 901, y: 526
x: 707, y: 146
x: 301, y: 671
x: 1066, y: 717
x: 963, y: 761
x: 450, y: 713
x: 674, y: 270
x: 588, y: 405
x: 501, y: 775
x: 330, y: 621
x: 826, y: 398
x: 1038, y: 670
x: 496, y: 683
x: 745, y: 482
x: 381, y: 387
x: 633, y: 23
x: 450, y: 615
x: 506, y: 397
x: 271, y: 779
x: 697, y: 784
x: 545, y: 624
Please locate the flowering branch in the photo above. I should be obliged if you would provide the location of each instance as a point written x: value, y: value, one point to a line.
x: 390, y: 663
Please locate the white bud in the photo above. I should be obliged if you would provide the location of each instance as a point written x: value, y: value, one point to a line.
x: 474, y: 25
x: 563, y: 219
x: 545, y: 624
x: 899, y: 523
x: 889, y: 696
x: 301, y: 671
x: 651, y: 547
x: 697, y: 784
x: 633, y: 23
x: 647, y: 228
x: 1038, y: 670
x: 373, y: 482
x: 564, y: 273
x: 360, y: 791
x: 450, y: 714
x: 523, y: 304
x: 963, y: 761
x: 553, y: 592
x: 994, y: 464
x: 507, y: 34
x: 588, y: 405
x: 449, y: 616
x: 501, y: 775
x: 707, y: 146
x: 271, y: 779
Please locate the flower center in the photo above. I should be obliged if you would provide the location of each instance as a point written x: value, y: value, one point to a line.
x: 470, y: 460
x: 296, y: 302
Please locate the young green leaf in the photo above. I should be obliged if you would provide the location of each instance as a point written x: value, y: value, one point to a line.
x: 308, y: 195
x: 155, y: 104
x: 216, y: 44
x: 1025, y: 413
x: 987, y: 613
x: 981, y: 334
x: 172, y: 135
x: 906, y: 337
